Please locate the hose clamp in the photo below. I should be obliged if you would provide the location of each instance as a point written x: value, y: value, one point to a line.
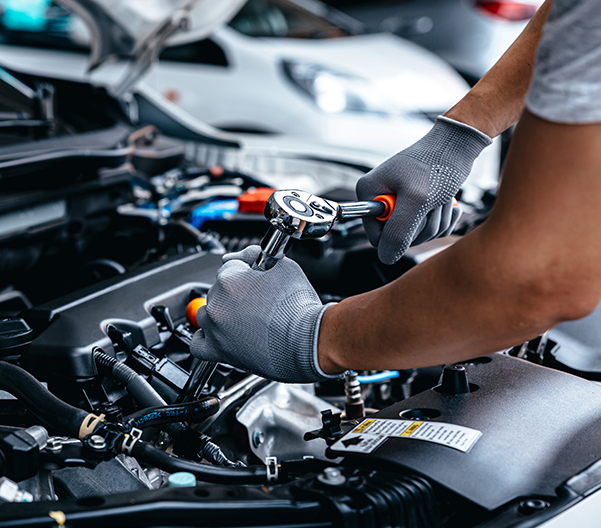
x: 89, y: 425
x: 272, y: 469
x: 129, y: 441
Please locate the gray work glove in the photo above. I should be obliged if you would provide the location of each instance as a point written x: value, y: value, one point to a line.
x: 265, y: 322
x: 424, y: 177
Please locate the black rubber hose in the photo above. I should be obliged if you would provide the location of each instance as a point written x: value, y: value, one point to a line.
x: 144, y: 452
x: 135, y: 384
x: 54, y: 413
x: 205, y: 240
x: 190, y: 412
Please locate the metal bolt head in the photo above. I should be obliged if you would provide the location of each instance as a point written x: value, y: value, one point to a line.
x: 258, y: 437
x: 96, y: 442
x: 332, y: 476
x: 54, y: 444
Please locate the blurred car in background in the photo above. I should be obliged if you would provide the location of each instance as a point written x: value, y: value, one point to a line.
x: 286, y: 67
x: 289, y: 67
x: 471, y: 35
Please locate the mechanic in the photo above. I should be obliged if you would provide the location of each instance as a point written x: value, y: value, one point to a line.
x: 535, y: 262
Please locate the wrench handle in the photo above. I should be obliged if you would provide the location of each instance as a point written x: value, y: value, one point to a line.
x: 381, y: 207
x: 273, y: 248
x: 389, y: 201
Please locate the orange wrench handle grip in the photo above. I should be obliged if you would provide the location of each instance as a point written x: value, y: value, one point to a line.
x: 389, y: 201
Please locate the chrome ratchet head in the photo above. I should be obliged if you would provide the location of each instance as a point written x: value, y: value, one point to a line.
x: 293, y: 214
x: 299, y: 214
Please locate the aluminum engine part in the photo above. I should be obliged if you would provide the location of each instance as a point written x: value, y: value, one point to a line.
x: 277, y: 418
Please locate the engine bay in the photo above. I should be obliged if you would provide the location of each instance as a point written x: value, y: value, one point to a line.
x: 111, y: 233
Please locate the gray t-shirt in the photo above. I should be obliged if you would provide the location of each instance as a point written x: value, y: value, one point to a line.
x: 566, y: 85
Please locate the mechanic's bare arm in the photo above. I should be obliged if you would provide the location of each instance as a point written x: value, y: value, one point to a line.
x: 497, y: 101
x: 535, y: 262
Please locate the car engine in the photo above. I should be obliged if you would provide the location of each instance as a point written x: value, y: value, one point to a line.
x: 112, y: 229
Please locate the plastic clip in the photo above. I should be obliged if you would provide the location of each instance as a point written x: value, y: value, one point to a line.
x: 272, y: 469
x: 130, y: 440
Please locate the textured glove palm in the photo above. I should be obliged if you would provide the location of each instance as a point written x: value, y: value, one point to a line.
x: 262, y: 322
x: 424, y: 177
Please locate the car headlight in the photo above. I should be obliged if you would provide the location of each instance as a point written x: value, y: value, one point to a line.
x: 335, y: 92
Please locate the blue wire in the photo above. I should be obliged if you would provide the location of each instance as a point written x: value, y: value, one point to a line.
x: 380, y: 376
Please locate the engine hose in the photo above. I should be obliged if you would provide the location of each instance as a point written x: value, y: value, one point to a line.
x: 190, y: 412
x: 205, y: 240
x: 145, y: 452
x: 135, y: 384
x: 54, y: 413
x: 213, y: 453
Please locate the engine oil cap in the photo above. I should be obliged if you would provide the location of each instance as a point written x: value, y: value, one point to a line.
x: 181, y: 479
x: 14, y: 333
x: 192, y: 309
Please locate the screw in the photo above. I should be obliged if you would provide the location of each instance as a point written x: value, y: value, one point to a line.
x: 332, y: 476
x: 96, y: 442
x: 258, y: 437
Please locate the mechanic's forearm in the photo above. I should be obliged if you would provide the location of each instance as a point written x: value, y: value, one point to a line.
x: 535, y: 262
x: 497, y: 100
x: 448, y: 309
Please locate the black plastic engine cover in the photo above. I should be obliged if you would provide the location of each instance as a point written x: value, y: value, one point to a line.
x: 539, y: 427
x: 78, y: 322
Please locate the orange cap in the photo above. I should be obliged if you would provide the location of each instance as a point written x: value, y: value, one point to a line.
x: 192, y: 309
x: 389, y: 200
x: 254, y: 200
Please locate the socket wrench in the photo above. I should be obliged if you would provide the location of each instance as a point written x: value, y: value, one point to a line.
x: 294, y: 214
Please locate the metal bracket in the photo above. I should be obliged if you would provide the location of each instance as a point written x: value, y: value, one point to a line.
x: 272, y: 469
x: 130, y: 441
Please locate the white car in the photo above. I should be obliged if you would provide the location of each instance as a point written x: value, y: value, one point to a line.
x: 365, y: 93
x: 258, y: 74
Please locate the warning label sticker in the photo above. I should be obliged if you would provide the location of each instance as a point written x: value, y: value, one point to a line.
x: 372, y: 433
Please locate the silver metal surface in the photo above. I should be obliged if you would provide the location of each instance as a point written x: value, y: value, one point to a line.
x: 301, y: 215
x: 10, y: 492
x: 360, y: 209
x: 39, y: 434
x: 280, y: 415
x: 229, y: 397
x: 96, y: 442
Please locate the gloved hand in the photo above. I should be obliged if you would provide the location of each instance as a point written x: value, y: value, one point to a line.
x: 424, y: 177
x: 266, y: 322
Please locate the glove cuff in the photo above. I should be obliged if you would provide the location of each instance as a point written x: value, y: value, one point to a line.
x: 318, y: 371
x: 479, y: 135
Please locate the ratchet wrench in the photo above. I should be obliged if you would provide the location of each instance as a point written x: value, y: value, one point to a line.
x: 294, y: 214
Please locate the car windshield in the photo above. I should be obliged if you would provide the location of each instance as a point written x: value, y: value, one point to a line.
x: 290, y: 19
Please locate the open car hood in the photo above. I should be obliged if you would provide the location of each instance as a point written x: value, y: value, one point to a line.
x: 138, y: 29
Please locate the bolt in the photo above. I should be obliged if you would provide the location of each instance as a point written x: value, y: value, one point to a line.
x: 96, y: 442
x: 530, y: 506
x: 258, y: 437
x: 332, y: 476
x: 54, y: 444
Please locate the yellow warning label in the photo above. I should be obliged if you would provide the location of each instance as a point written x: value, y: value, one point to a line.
x: 412, y: 428
x: 362, y: 426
